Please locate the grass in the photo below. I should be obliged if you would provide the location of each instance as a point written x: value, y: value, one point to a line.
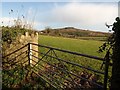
x: 89, y: 47
x: 78, y: 45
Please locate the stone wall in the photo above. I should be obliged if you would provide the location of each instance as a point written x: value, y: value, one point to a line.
x: 20, y: 42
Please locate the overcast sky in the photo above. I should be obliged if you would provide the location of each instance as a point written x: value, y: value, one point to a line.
x: 87, y: 14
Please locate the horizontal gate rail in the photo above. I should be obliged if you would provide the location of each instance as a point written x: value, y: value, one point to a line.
x: 72, y: 63
x: 59, y: 68
x: 45, y: 80
x: 75, y: 53
x: 54, y: 73
x: 51, y: 82
x: 13, y: 59
x: 20, y: 60
x: 15, y: 51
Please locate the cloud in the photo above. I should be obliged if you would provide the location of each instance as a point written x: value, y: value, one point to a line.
x: 7, y: 21
x: 85, y: 13
x: 81, y: 15
x: 36, y: 24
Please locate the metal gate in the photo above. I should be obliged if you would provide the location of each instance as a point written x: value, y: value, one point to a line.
x: 55, y: 68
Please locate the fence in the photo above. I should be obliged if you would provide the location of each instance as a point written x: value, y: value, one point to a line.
x: 62, y: 69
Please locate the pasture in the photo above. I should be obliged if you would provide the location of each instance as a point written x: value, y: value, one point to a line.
x: 89, y: 47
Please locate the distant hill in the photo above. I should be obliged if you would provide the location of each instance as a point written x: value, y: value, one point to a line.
x: 73, y: 32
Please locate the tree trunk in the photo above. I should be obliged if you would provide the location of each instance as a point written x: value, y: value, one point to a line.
x: 115, y: 80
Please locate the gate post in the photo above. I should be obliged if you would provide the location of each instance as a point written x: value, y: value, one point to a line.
x: 107, y: 60
x: 29, y: 54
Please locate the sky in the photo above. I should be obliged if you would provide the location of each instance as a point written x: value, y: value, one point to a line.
x: 87, y: 14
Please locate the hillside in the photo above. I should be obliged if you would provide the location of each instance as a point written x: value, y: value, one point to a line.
x: 73, y: 32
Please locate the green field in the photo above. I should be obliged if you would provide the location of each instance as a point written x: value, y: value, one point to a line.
x: 89, y: 47
x: 78, y: 45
